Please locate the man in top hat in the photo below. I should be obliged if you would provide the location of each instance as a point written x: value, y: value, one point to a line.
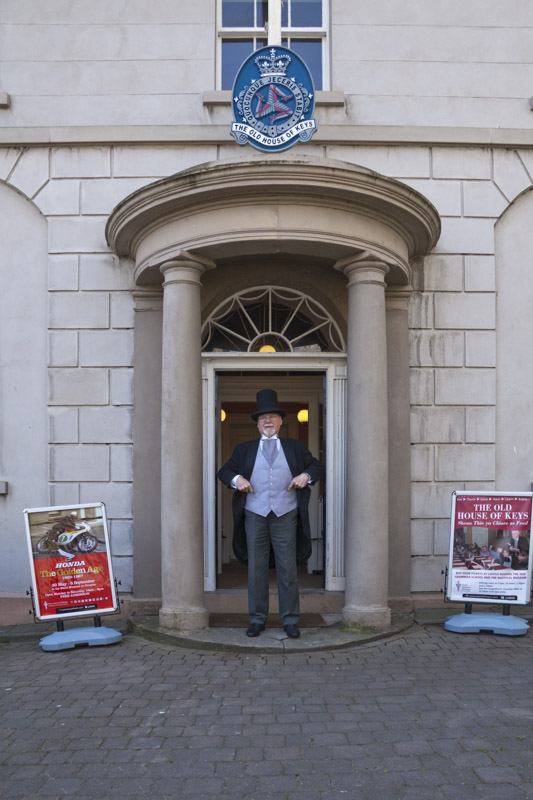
x: 271, y: 478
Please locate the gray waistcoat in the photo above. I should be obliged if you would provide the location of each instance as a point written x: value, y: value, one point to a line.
x: 270, y: 486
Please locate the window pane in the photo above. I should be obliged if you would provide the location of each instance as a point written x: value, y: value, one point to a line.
x: 306, y: 13
x: 237, y: 13
x: 234, y: 51
x: 284, y: 318
x: 262, y: 13
x: 311, y: 52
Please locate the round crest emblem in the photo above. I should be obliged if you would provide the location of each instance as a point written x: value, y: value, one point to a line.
x: 273, y: 100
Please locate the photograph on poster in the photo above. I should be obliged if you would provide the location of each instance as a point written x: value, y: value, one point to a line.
x: 490, y: 548
x: 70, y: 561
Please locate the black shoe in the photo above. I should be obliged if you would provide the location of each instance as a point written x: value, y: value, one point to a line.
x: 255, y: 629
x: 292, y: 631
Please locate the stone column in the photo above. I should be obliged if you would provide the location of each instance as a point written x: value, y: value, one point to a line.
x: 396, y: 301
x: 367, y: 519
x: 181, y: 447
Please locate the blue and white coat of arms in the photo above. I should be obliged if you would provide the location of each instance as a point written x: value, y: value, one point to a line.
x: 273, y: 100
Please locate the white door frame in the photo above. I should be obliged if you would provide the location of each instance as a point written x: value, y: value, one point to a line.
x: 333, y: 365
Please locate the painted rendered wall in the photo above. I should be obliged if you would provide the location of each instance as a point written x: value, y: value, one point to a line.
x: 23, y: 417
x: 514, y: 384
x: 451, y: 64
x: 451, y: 315
x: 456, y: 66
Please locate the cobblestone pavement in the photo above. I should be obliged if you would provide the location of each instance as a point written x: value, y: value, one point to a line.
x: 425, y: 714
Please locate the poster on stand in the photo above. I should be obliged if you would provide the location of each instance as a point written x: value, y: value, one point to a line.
x: 70, y: 560
x: 489, y: 559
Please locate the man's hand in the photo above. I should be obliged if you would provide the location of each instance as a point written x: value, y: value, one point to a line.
x: 242, y: 485
x: 299, y: 482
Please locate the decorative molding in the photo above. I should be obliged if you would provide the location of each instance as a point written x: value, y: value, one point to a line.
x: 324, y: 99
x: 148, y: 298
x: 397, y: 135
x: 303, y: 204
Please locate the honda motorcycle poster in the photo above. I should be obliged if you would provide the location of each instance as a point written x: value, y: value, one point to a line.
x: 489, y: 558
x: 70, y: 561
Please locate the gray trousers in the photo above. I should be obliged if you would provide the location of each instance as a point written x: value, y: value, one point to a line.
x: 261, y: 532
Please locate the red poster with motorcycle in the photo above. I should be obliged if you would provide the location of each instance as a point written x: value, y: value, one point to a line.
x: 70, y: 560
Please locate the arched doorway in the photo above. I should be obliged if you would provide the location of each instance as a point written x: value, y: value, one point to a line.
x: 265, y: 322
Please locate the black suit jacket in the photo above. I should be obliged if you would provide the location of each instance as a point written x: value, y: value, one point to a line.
x: 522, y: 543
x: 242, y: 463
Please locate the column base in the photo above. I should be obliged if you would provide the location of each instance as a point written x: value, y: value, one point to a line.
x: 401, y: 605
x: 368, y: 616
x: 185, y: 620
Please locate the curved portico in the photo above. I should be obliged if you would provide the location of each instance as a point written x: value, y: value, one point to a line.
x: 353, y: 221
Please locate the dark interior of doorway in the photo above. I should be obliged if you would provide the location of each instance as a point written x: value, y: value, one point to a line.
x: 234, y: 574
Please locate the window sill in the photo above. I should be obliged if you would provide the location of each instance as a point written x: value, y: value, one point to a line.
x: 324, y: 99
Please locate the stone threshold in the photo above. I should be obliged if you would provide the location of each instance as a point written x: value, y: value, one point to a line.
x: 331, y: 636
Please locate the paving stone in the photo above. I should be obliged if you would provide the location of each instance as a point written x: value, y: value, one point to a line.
x: 422, y: 793
x: 211, y: 786
x: 500, y: 792
x: 406, y: 718
x: 498, y: 774
x: 459, y: 792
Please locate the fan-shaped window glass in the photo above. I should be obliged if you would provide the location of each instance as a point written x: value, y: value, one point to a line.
x: 271, y: 319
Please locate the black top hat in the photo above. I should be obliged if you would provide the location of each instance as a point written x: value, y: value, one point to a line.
x: 267, y: 403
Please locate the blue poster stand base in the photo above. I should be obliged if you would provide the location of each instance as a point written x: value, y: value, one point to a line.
x: 497, y: 623
x: 64, y: 640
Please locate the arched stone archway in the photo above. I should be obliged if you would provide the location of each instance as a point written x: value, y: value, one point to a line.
x: 353, y: 224
x: 308, y: 206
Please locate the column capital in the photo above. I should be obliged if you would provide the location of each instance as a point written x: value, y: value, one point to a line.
x: 397, y: 297
x: 148, y: 298
x: 185, y: 267
x: 363, y: 267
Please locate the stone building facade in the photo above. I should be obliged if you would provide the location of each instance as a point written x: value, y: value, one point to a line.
x: 129, y: 216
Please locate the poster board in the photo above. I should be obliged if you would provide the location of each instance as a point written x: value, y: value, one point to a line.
x: 489, y: 554
x: 70, y: 561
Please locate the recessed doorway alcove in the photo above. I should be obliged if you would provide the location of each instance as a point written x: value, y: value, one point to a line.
x: 346, y: 237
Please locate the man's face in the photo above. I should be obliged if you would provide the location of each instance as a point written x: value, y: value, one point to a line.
x: 269, y: 424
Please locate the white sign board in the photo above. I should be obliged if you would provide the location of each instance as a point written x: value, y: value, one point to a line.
x: 489, y: 559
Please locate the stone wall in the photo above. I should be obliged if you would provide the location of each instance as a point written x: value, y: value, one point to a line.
x: 454, y: 64
x: 452, y: 321
x: 96, y: 87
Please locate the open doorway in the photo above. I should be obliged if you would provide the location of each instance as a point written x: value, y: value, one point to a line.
x: 297, y: 393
